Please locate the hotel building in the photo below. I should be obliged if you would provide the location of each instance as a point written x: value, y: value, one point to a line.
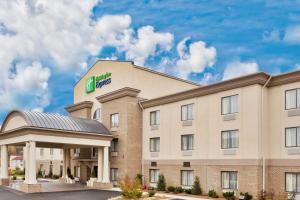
x: 241, y: 134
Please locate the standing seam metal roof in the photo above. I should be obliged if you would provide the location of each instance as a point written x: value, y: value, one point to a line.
x: 59, y: 122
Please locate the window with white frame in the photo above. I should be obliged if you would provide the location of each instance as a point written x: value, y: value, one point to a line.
x: 154, y: 117
x: 292, y: 137
x: 292, y: 182
x: 41, y: 152
x: 187, y: 112
x: 113, y: 174
x: 230, y: 139
x: 97, y: 114
x: 187, y: 177
x: 292, y: 99
x: 229, y: 104
x: 229, y: 180
x: 153, y: 175
x: 114, y: 145
x: 187, y: 142
x: 114, y: 120
x: 154, y: 144
x: 51, y: 151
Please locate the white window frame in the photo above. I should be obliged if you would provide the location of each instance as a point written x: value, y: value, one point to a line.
x: 230, y: 139
x: 156, y: 117
x: 297, y: 136
x: 97, y: 114
x: 296, y: 179
x: 153, y: 175
x: 232, y: 108
x: 295, y: 99
x: 156, y: 144
x: 232, y: 183
x: 187, y: 112
x: 189, y: 179
x: 114, y: 174
x: 114, y: 120
x: 189, y: 140
x: 114, y: 145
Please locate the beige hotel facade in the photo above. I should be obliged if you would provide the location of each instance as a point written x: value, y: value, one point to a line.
x: 241, y: 134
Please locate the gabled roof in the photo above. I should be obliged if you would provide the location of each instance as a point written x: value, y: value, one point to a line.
x: 59, y: 122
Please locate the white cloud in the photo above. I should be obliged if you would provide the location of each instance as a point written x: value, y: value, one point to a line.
x: 292, y: 35
x: 194, y: 58
x: 61, y: 35
x: 236, y: 68
x: 271, y: 36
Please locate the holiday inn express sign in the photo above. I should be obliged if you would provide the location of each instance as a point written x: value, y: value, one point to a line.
x: 93, y: 82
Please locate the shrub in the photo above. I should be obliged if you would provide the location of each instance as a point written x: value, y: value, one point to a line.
x: 229, y: 195
x: 55, y: 176
x: 196, y: 189
x: 69, y: 173
x: 94, y: 174
x: 213, y: 194
x: 151, y: 193
x: 139, y: 178
x: 130, y: 188
x: 14, y: 178
x: 246, y: 196
x: 178, y: 190
x: 39, y: 174
x: 171, y: 189
x: 161, y: 184
x: 188, y: 191
x: 50, y: 173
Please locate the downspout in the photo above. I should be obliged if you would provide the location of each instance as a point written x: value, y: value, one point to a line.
x: 143, y: 178
x: 261, y: 135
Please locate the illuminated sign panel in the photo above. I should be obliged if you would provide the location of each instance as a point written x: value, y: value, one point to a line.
x: 93, y: 82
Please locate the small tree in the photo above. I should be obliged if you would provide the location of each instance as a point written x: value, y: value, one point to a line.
x: 139, y: 178
x: 196, y: 189
x: 94, y: 174
x: 69, y: 173
x: 161, y: 184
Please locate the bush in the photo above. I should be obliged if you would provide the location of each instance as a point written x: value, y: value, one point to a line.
x: 178, y: 190
x: 39, y: 174
x: 196, y: 189
x: 229, y: 195
x: 69, y: 173
x: 171, y: 189
x: 188, y: 191
x: 151, y: 193
x: 130, y: 188
x: 139, y: 178
x: 94, y: 174
x: 14, y: 178
x: 246, y: 196
x: 50, y: 174
x: 213, y: 194
x: 55, y: 176
x: 161, y: 184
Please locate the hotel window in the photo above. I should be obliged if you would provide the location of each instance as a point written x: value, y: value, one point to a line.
x: 97, y: 114
x: 187, y: 142
x: 114, y: 145
x: 77, y: 151
x: 230, y: 139
x: 187, y: 177
x: 114, y: 120
x: 94, y: 152
x: 51, y: 151
x: 154, y: 144
x: 292, y: 99
x: 292, y: 137
x: 229, y: 180
x: 113, y: 174
x: 187, y: 112
x: 154, y: 117
x: 229, y: 104
x: 41, y: 152
x: 292, y: 182
x: 153, y: 175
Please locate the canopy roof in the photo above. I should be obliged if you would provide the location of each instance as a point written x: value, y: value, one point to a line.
x: 56, y: 122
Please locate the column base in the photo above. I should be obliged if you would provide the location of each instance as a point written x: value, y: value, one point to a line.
x: 102, y: 186
x: 4, y: 181
x: 30, y: 188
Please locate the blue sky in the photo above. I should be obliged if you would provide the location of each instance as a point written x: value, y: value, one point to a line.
x: 45, y: 49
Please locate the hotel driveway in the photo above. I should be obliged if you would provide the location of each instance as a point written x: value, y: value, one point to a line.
x: 9, y: 194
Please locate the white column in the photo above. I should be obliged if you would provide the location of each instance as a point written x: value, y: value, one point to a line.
x: 100, y: 163
x: 26, y: 160
x: 67, y: 158
x: 32, y: 163
x: 4, y: 162
x: 105, y: 165
x: 64, y: 163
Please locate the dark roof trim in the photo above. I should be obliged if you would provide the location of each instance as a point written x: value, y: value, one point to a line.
x: 79, y: 106
x: 123, y: 92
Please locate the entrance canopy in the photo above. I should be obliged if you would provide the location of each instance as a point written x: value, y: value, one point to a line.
x: 52, y: 130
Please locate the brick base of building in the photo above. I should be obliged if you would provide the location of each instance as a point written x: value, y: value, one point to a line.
x: 4, y: 181
x: 30, y: 188
x: 102, y: 186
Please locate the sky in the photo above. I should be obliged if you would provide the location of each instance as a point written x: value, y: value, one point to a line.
x: 46, y: 46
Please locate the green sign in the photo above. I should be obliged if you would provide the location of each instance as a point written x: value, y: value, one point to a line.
x: 94, y: 82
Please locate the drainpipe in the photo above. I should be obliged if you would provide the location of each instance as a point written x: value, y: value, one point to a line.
x: 261, y: 129
x: 143, y: 178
